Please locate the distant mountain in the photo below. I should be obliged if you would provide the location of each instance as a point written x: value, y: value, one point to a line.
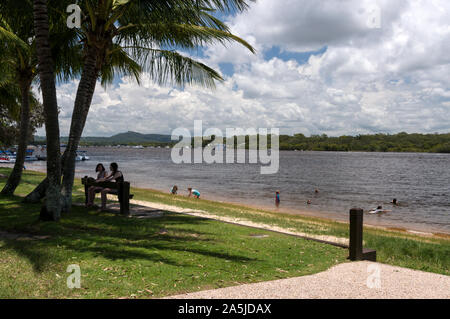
x: 134, y: 137
x: 121, y: 138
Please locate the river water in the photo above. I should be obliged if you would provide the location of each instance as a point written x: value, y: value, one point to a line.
x: 420, y: 182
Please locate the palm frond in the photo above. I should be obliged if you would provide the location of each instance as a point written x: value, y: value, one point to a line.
x: 119, y: 64
x: 10, y: 39
x: 176, y: 35
x: 166, y: 66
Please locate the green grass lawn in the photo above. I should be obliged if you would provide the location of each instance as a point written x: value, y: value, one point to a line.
x: 393, y: 247
x: 141, y: 258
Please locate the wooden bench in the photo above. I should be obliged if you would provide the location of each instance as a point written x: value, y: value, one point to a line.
x: 122, y: 188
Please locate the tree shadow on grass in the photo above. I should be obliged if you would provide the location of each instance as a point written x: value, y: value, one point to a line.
x: 109, y: 236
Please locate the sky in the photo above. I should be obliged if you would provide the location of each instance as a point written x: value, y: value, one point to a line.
x: 335, y: 67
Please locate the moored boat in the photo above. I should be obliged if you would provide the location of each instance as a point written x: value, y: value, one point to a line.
x: 7, y: 157
x: 82, y: 156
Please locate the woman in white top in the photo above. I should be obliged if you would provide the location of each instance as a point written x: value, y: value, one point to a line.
x: 101, y: 174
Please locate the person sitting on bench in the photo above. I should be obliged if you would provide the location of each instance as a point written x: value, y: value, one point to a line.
x: 116, y: 175
x: 101, y: 173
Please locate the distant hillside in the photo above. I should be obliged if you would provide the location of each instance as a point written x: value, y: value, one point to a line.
x: 134, y: 137
x: 121, y: 138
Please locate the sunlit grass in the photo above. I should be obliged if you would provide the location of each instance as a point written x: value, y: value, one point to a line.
x: 142, y: 258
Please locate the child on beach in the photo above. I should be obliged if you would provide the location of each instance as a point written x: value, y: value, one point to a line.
x: 174, y: 190
x: 194, y: 192
x: 277, y: 198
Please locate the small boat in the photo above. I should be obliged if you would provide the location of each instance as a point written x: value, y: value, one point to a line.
x: 41, y: 153
x: 82, y: 156
x: 30, y: 157
x: 7, y: 159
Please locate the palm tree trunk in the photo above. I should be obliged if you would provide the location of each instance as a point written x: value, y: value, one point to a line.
x: 83, y: 101
x: 46, y: 72
x: 38, y: 193
x: 16, y: 174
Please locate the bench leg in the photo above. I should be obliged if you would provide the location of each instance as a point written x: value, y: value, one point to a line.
x: 124, y: 191
x: 86, y: 194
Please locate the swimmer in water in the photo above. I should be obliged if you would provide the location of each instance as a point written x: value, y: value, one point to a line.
x: 277, y: 198
x: 308, y: 202
x: 394, y: 202
x: 316, y: 191
x: 379, y: 210
x: 194, y: 192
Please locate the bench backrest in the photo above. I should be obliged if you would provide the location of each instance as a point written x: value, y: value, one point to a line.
x: 89, y: 182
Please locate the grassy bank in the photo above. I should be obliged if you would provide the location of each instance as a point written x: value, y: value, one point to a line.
x: 125, y: 257
x: 395, y: 247
x: 141, y: 258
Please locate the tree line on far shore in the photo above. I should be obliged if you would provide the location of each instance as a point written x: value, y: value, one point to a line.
x: 401, y: 142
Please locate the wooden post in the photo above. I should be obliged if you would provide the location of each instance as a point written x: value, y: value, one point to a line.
x: 356, y: 234
x: 125, y: 201
x: 356, y: 251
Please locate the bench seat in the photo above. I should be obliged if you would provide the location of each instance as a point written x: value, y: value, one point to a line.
x: 121, y: 189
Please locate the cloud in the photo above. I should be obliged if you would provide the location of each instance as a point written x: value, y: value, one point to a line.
x: 369, y: 79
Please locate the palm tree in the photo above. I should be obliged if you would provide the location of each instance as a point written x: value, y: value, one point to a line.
x: 9, y: 110
x: 131, y: 36
x: 46, y: 71
x: 134, y: 33
x: 18, y: 61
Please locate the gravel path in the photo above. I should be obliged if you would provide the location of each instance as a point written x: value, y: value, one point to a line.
x: 348, y: 280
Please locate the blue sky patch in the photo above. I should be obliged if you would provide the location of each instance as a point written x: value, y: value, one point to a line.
x: 300, y: 57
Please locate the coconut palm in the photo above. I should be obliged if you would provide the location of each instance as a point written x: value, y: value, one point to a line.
x: 46, y: 71
x: 142, y: 35
x: 9, y: 112
x: 19, y: 65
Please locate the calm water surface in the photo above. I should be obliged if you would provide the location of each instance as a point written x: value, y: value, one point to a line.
x: 420, y: 182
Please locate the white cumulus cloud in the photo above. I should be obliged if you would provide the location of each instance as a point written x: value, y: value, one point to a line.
x: 379, y: 73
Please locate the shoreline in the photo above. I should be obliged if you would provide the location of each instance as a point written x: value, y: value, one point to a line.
x: 392, y: 228
x: 132, y: 145
x: 409, y: 228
